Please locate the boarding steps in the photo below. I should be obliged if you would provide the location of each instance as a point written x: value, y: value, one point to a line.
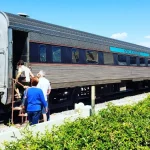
x: 21, y: 113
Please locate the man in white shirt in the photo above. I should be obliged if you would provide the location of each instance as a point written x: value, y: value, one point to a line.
x: 44, y: 84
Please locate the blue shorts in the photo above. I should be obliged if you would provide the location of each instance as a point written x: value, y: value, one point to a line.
x: 43, y: 109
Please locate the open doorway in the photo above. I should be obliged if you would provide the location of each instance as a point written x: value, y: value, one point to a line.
x: 20, y: 46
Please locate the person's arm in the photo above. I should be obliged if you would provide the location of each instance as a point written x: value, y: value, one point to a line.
x: 49, y: 89
x: 24, y: 101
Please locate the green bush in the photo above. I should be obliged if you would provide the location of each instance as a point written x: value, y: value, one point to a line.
x: 116, y: 128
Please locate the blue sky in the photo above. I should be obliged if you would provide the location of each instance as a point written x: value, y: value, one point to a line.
x: 127, y: 20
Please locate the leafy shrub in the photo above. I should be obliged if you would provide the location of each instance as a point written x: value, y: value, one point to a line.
x: 118, y: 128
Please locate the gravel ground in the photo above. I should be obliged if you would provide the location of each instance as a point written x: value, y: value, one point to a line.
x: 123, y: 101
x: 4, y: 128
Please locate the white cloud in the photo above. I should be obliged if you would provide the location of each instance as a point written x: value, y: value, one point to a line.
x: 119, y: 36
x: 147, y: 44
x: 147, y: 37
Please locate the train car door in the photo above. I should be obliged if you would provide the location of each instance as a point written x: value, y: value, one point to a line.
x: 20, y: 48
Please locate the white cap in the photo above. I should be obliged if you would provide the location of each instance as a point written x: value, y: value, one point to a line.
x: 41, y: 73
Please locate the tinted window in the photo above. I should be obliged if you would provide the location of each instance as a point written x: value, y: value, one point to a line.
x: 56, y: 52
x: 108, y: 59
x: 42, y: 49
x: 142, y: 62
x: 91, y: 56
x: 75, y: 55
x: 122, y: 60
x: 133, y: 61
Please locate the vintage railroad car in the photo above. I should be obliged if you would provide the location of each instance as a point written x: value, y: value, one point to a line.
x: 73, y: 60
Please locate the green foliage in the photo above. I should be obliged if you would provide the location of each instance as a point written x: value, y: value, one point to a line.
x: 115, y: 128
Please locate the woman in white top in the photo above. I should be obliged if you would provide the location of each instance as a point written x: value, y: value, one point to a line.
x: 23, y: 76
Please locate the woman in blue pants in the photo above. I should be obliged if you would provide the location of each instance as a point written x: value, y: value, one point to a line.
x: 34, y: 102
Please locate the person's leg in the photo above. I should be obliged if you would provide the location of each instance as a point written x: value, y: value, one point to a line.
x: 21, y: 89
x: 44, y: 117
x: 17, y: 91
x: 44, y: 114
x: 36, y: 116
x: 30, y: 115
x: 48, y: 115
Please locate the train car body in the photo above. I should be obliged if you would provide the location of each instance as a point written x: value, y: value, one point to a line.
x: 73, y: 60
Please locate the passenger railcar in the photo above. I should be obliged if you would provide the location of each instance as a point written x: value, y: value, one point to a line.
x: 73, y: 60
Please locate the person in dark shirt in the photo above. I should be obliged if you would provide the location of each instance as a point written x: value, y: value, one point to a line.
x: 34, y: 102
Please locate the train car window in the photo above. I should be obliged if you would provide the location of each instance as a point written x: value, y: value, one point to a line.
x: 108, y: 59
x: 42, y: 49
x: 122, y: 60
x: 148, y: 61
x: 75, y: 55
x: 133, y: 61
x: 142, y: 62
x: 91, y: 56
x: 56, y: 53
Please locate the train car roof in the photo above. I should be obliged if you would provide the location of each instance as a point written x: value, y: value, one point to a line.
x: 31, y: 25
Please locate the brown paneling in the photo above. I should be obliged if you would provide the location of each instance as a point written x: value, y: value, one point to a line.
x: 70, y: 75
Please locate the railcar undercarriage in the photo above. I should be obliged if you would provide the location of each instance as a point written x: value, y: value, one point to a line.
x: 66, y: 97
